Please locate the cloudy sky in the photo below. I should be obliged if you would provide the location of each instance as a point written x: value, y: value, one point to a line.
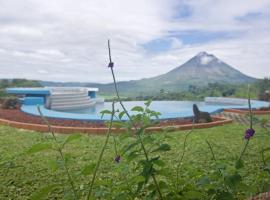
x: 66, y: 40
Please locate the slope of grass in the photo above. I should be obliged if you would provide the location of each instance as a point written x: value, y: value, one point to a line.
x: 22, y: 174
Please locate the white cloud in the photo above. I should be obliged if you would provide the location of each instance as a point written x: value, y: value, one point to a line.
x: 17, y: 30
x: 42, y: 71
x: 68, y: 38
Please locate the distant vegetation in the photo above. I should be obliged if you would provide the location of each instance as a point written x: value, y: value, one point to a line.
x: 258, y: 89
x: 5, y: 83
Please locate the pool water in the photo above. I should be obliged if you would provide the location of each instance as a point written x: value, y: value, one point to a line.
x: 168, y: 109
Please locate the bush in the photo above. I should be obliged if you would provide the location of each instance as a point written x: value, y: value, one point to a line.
x: 264, y: 96
x: 10, y: 103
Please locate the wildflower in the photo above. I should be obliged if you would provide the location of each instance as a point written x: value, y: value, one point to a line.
x: 249, y: 133
x: 117, y: 159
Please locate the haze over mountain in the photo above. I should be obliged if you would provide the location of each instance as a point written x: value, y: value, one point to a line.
x: 200, y: 70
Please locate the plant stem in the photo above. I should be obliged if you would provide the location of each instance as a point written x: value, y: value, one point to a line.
x: 120, y: 101
x: 91, y: 184
x: 211, y: 150
x: 182, y: 157
x: 115, y: 146
x: 60, y: 152
x: 250, y: 124
x: 214, y: 158
x: 133, y: 124
x: 250, y: 109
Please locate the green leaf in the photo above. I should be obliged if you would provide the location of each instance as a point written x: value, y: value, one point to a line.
x: 43, y: 192
x: 154, y: 159
x: 105, y: 112
x: 266, y: 149
x: 53, y: 165
x: 147, y: 170
x: 71, y: 138
x: 155, y: 114
x: 124, y: 136
x: 163, y: 147
x: 133, y: 155
x: 163, y: 172
x: 148, y: 139
x: 39, y: 147
x: 239, y: 164
x: 232, y: 180
x: 67, y: 157
x: 117, y: 124
x: 193, y: 195
x: 68, y: 195
x: 137, y: 179
x: 147, y: 103
x: 204, y: 181
x: 224, y: 196
x: 121, y: 114
x: 163, y: 185
x: 159, y: 163
x: 130, y: 146
x: 88, y: 169
x: 122, y: 196
x: 137, y: 109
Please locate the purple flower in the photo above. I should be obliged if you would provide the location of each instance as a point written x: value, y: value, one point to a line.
x: 117, y: 159
x: 249, y: 133
x: 110, y: 65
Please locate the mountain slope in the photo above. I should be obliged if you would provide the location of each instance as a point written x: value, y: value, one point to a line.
x: 200, y: 70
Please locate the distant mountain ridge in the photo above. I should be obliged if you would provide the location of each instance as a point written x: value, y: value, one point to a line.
x: 203, y: 68
x: 199, y: 71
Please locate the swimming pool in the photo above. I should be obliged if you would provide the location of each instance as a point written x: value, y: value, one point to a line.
x: 168, y: 109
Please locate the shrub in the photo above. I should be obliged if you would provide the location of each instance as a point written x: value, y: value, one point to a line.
x: 264, y: 96
x: 10, y: 103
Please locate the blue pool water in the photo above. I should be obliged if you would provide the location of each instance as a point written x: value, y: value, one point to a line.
x: 168, y: 109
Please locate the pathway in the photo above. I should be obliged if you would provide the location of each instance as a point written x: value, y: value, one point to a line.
x: 239, y: 118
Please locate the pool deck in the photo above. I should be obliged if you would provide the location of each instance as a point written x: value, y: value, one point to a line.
x: 33, y: 110
x: 27, y: 91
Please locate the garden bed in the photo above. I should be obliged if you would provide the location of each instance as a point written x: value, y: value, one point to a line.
x: 17, y: 118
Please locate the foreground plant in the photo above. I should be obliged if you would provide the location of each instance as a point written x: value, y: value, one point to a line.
x: 91, y: 184
x: 58, y: 147
x: 136, y: 125
x: 229, y: 181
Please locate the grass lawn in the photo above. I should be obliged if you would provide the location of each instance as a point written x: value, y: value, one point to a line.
x: 22, y: 174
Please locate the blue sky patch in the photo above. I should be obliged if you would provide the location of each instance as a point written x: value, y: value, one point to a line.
x: 183, y: 11
x: 249, y: 16
x: 187, y: 38
x: 158, y: 45
x: 199, y: 37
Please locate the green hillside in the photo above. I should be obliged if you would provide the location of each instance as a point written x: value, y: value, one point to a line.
x: 5, y: 83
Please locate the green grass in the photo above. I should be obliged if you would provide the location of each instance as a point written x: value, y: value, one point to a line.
x: 22, y: 174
